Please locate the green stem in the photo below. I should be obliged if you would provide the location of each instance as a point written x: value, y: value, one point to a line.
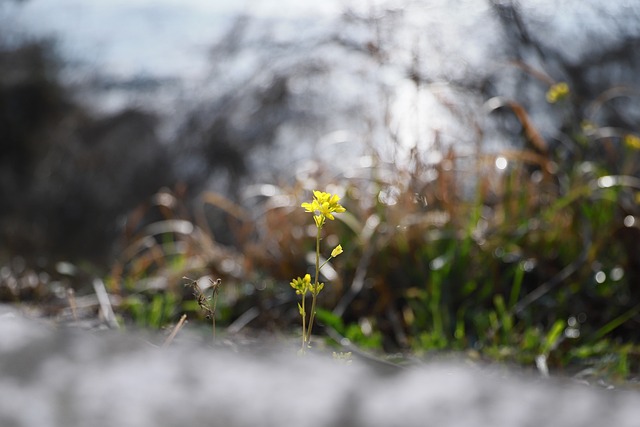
x: 314, y: 294
x: 325, y: 263
x: 304, y: 325
x: 313, y: 312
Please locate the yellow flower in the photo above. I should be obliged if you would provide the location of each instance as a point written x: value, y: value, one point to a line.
x: 311, y: 207
x: 323, y: 205
x: 336, y: 251
x: 632, y: 141
x: 587, y: 126
x: 557, y: 92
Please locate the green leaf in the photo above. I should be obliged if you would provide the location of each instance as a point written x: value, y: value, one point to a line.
x: 330, y: 319
x: 553, y: 336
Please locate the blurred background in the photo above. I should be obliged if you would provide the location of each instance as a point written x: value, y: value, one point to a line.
x: 486, y: 152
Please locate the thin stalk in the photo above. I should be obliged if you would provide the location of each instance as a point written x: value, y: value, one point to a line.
x: 175, y: 331
x: 314, y: 293
x: 216, y: 288
x: 304, y: 319
x: 213, y: 315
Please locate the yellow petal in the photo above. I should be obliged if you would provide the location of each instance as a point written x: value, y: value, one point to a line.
x: 320, y: 196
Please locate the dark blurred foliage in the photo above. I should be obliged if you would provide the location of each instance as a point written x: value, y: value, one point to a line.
x: 599, y: 64
x: 67, y: 175
x: 70, y: 176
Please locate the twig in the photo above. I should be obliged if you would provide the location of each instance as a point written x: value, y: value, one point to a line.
x: 167, y: 342
x: 71, y: 297
x: 105, y: 304
x: 208, y: 307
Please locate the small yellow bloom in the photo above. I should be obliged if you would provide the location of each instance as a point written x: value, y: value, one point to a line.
x: 336, y: 251
x: 557, y: 92
x: 323, y: 205
x: 311, y: 207
x: 632, y: 141
x: 587, y: 126
x: 321, y: 196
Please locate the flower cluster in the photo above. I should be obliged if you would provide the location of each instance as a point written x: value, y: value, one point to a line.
x: 301, y: 284
x: 323, y: 206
